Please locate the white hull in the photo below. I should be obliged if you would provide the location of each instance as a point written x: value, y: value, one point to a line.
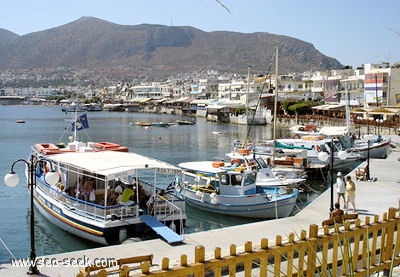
x: 249, y: 206
x: 379, y: 150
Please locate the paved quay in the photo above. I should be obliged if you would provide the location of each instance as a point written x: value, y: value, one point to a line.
x: 372, y: 198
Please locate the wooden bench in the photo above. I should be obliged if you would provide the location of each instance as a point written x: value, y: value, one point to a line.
x: 345, y: 217
x: 122, y: 263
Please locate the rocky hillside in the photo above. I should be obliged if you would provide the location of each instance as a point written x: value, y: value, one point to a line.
x: 155, y: 50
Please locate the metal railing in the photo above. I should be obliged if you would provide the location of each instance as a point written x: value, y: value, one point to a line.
x: 87, y: 209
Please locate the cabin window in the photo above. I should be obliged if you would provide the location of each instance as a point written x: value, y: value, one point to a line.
x: 261, y: 162
x: 236, y: 180
x: 250, y: 179
x: 224, y: 179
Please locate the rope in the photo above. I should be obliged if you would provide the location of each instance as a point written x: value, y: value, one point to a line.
x: 9, y: 251
x: 259, y: 98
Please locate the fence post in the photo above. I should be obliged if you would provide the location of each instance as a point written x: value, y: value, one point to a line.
x: 311, y: 250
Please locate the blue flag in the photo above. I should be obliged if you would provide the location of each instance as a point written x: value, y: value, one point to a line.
x: 81, y: 123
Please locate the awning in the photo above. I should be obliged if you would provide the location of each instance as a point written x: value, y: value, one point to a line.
x: 328, y: 107
x: 111, y: 164
x: 382, y: 110
x: 334, y: 130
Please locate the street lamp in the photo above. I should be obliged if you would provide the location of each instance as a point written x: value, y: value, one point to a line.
x: 368, y: 177
x: 359, y: 118
x: 11, y: 180
x: 323, y: 156
x: 379, y: 121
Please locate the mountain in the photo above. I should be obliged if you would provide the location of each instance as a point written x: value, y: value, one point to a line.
x: 154, y: 50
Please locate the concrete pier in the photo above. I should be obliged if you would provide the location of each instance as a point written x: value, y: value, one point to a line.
x: 372, y: 198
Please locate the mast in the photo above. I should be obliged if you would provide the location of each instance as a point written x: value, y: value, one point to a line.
x: 247, y: 95
x: 75, y: 122
x: 275, y: 106
x: 276, y: 94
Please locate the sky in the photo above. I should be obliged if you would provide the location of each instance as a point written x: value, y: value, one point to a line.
x: 354, y: 32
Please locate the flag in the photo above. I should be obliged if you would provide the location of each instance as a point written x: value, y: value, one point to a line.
x: 170, y: 188
x: 81, y: 123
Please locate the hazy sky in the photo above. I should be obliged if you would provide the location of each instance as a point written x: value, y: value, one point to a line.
x: 355, y: 32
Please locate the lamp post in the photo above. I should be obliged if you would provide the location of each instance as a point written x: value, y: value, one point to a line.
x: 368, y: 177
x: 323, y: 156
x: 379, y: 121
x: 376, y: 90
x: 11, y: 180
x: 359, y: 118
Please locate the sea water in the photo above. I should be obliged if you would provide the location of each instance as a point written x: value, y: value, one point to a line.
x: 173, y: 144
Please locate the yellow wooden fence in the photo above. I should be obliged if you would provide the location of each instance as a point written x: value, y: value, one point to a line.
x: 351, y: 249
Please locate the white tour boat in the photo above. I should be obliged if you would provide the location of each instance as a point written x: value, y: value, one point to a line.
x: 106, y: 194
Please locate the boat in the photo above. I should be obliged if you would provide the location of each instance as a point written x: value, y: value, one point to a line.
x: 304, y: 129
x: 105, y: 193
x: 214, y: 187
x: 73, y: 107
x: 185, y: 122
x: 92, y: 107
x: 113, y: 107
x: 160, y: 124
x: 144, y: 124
x: 314, y: 145
x: 246, y: 160
x: 368, y: 146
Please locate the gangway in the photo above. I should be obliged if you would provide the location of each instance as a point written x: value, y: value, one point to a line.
x: 170, y: 236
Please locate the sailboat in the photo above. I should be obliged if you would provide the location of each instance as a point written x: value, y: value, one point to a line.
x: 257, y: 116
x: 368, y: 146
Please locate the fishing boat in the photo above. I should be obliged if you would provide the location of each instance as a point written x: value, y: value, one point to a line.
x: 105, y: 193
x: 217, y: 188
x: 368, y: 146
x: 314, y: 145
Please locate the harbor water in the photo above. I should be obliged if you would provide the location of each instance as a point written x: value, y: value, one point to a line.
x: 173, y: 144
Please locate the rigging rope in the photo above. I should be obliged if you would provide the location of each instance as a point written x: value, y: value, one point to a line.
x: 259, y: 98
x: 9, y: 251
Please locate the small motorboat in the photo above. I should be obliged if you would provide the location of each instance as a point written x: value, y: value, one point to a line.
x: 185, y: 122
x: 220, y: 188
x: 160, y: 124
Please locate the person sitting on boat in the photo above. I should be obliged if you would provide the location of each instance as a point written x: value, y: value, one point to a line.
x: 127, y: 196
x: 79, y: 188
x: 112, y: 196
x: 88, y: 191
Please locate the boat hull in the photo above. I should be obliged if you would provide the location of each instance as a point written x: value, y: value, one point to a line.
x: 378, y: 151
x: 248, y: 206
x: 102, y: 232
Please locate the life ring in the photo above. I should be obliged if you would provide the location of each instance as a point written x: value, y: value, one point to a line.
x: 318, y: 148
x: 235, y: 161
x: 296, y: 136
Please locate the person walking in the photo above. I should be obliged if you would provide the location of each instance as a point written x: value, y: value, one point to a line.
x: 350, y: 193
x: 341, y: 189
